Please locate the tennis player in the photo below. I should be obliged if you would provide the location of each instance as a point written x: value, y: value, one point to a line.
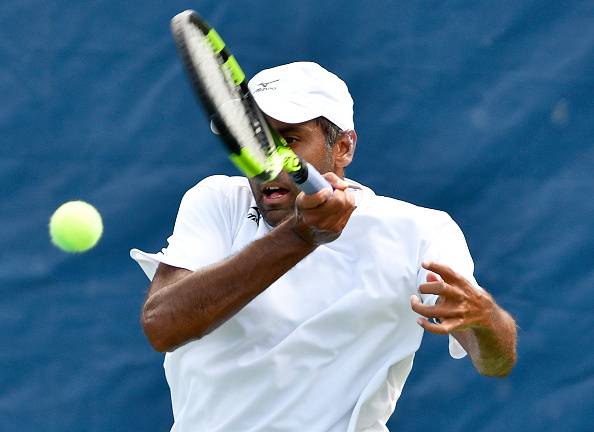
x: 285, y: 312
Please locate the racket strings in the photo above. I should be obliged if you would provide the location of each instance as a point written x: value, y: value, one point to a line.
x: 220, y: 87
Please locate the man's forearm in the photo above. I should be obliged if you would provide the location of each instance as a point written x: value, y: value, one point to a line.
x: 196, y: 304
x: 492, y: 347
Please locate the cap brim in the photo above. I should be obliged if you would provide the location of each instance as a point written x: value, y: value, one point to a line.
x: 287, y: 112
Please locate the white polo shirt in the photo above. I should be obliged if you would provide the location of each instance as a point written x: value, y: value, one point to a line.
x: 328, y: 346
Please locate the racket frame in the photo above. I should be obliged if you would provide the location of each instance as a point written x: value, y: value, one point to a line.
x: 272, y: 153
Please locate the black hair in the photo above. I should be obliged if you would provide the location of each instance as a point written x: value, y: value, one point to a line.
x: 331, y: 131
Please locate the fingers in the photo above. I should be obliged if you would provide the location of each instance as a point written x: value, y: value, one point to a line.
x: 439, y: 311
x: 317, y: 199
x: 332, y: 215
x: 326, y: 212
x: 432, y: 277
x: 437, y: 287
x: 441, y: 329
x: 432, y: 327
x: 446, y: 272
x: 318, y: 206
x: 441, y: 289
x: 448, y: 319
x: 307, y: 202
x: 427, y: 311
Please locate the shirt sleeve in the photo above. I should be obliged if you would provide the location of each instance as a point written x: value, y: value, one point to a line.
x: 447, y: 245
x: 201, y: 235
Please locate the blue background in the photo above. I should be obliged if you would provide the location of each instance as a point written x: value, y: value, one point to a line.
x: 483, y: 109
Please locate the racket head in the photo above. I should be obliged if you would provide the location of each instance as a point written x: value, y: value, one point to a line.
x: 220, y: 85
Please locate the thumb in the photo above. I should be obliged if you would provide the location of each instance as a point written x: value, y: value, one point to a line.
x: 307, y: 202
x: 335, y: 181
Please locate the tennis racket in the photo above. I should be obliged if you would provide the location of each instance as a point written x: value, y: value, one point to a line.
x: 254, y: 146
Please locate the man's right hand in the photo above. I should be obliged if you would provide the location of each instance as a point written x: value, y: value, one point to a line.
x: 321, y: 217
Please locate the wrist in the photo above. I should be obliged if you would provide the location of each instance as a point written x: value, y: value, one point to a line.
x: 300, y: 233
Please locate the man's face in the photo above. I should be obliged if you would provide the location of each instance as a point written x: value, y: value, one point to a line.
x: 276, y: 199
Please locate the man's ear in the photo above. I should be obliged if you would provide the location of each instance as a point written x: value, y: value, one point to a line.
x: 344, y: 148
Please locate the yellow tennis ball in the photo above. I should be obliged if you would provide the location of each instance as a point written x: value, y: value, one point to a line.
x: 76, y: 226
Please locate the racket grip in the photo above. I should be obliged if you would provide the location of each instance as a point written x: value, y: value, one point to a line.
x: 314, y: 181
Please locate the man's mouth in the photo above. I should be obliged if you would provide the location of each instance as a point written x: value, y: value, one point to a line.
x: 274, y: 194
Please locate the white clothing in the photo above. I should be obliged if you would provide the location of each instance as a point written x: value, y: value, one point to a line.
x: 328, y: 346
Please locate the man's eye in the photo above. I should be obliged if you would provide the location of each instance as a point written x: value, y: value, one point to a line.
x: 290, y: 140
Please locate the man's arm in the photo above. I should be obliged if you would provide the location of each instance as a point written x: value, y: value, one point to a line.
x: 182, y: 305
x: 483, y: 328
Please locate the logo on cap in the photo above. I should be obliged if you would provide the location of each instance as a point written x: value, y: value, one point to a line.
x: 263, y: 86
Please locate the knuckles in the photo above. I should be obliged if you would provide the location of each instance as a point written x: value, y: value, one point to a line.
x: 327, y: 219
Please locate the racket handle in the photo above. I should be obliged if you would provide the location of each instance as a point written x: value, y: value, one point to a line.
x: 313, y: 182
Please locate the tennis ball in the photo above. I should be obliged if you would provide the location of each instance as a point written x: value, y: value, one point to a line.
x: 75, y: 226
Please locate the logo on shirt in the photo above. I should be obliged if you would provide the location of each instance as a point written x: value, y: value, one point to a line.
x: 263, y: 86
x: 254, y: 214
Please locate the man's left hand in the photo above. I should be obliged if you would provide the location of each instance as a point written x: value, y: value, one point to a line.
x: 461, y: 306
x: 485, y: 331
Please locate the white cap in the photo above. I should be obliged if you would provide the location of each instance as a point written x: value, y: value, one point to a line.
x: 302, y: 91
